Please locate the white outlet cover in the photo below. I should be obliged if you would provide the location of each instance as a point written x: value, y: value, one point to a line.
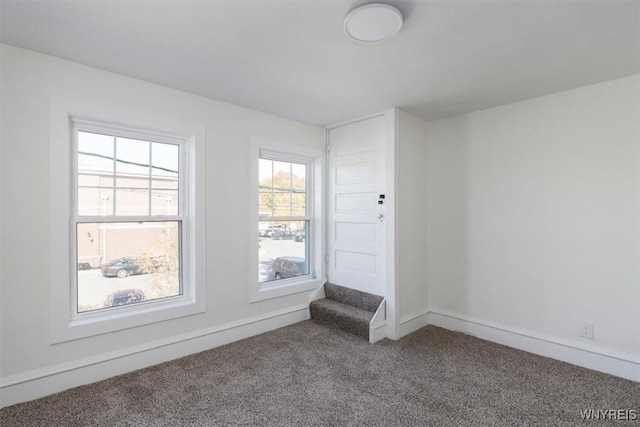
x: 586, y: 329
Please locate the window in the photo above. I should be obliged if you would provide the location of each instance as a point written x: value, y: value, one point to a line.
x: 287, y: 219
x: 127, y: 220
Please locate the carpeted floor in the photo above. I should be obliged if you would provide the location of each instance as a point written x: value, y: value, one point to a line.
x: 307, y: 374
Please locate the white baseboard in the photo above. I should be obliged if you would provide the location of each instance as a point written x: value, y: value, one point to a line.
x: 43, y: 382
x: 618, y: 364
x: 54, y: 379
x: 413, y: 322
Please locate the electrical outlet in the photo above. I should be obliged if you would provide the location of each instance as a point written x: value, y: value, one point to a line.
x: 586, y: 329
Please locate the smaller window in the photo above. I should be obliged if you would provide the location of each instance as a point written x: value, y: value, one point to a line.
x: 283, y: 214
x: 287, y: 219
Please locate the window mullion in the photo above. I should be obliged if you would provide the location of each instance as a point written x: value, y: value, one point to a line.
x: 110, y: 219
x: 308, y: 183
x: 150, y: 173
x: 115, y: 181
x: 183, y: 188
x: 273, y: 196
x: 283, y: 218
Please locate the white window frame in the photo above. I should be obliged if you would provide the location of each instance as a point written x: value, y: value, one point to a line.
x: 315, y: 161
x: 67, y: 118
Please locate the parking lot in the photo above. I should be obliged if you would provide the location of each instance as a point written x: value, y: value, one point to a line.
x: 93, y: 287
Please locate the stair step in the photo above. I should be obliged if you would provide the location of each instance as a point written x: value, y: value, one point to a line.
x: 342, y: 316
x: 352, y: 297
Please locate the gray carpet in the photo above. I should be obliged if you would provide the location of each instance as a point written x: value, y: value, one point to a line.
x: 308, y: 374
x: 352, y: 297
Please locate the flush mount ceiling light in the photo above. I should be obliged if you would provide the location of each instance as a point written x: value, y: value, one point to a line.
x: 373, y: 22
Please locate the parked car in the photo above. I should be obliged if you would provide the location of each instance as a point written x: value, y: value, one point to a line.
x: 123, y: 296
x: 299, y: 236
x: 286, y: 267
x: 273, y: 230
x: 121, y: 268
x: 267, y: 232
x: 283, y: 235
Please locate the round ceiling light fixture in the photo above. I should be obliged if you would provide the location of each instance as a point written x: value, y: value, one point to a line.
x: 373, y: 22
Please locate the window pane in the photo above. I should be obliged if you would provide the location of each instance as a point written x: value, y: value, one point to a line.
x: 265, y: 204
x: 127, y: 262
x: 281, y: 176
x: 283, y: 250
x: 165, y: 160
x: 95, y: 195
x: 164, y: 202
x: 299, y: 175
x: 132, y: 197
x: 164, y: 174
x: 265, y: 188
x: 95, y: 174
x: 132, y: 177
x: 281, y: 189
x: 132, y: 157
x: 298, y: 207
x: 95, y: 153
x: 299, y: 189
x: 265, y: 174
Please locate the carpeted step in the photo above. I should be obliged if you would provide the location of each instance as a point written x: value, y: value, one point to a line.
x: 352, y: 297
x: 342, y: 316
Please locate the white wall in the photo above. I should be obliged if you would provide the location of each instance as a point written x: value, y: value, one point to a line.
x: 411, y: 214
x: 28, y: 81
x: 534, y: 216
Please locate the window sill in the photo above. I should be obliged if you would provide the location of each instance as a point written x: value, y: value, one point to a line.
x: 283, y: 287
x: 125, y: 317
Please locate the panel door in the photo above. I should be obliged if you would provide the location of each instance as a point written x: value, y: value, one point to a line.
x: 356, y: 206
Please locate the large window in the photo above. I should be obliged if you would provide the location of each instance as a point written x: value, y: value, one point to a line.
x: 127, y: 220
x: 287, y: 219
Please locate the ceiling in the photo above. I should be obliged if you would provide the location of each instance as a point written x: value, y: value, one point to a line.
x: 292, y: 58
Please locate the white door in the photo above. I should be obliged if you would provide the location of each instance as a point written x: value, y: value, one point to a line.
x: 356, y: 206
